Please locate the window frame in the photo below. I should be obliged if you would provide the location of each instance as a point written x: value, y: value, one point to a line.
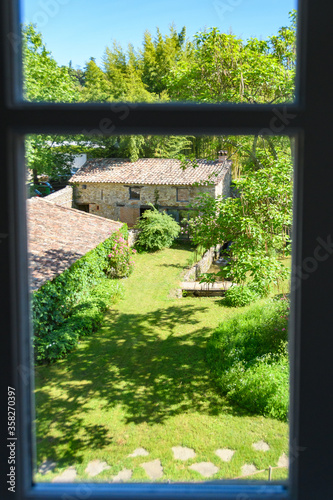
x: 177, y: 194
x: 308, y: 119
x: 130, y: 193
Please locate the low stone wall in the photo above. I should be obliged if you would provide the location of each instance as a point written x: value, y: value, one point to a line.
x: 203, y: 265
x: 63, y: 197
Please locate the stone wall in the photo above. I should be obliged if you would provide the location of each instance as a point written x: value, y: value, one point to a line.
x: 63, y: 197
x: 113, y: 200
x: 203, y: 265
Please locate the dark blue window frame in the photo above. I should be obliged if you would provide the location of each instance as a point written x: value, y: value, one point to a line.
x: 309, y: 120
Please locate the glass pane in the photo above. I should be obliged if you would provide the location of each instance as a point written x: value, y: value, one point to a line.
x: 160, y: 326
x: 224, y: 51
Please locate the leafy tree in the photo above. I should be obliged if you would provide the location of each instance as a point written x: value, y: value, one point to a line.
x: 159, y: 56
x: 222, y: 67
x: 258, y: 222
x: 124, y: 76
x: 45, y: 81
x: 96, y: 85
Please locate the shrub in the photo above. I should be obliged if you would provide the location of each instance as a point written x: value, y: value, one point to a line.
x: 120, y: 264
x: 240, y: 296
x: 70, y: 305
x: 157, y: 230
x: 85, y: 318
x: 248, y: 358
x: 53, y: 302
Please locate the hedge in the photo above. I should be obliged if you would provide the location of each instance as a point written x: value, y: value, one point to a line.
x: 70, y: 305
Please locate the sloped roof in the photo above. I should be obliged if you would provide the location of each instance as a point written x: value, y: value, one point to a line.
x: 59, y: 236
x: 154, y: 171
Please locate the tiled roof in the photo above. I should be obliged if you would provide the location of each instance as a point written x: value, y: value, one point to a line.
x: 58, y: 236
x: 155, y: 171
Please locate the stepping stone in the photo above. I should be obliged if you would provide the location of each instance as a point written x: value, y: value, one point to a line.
x: 139, y: 452
x: 47, y: 466
x: 183, y: 453
x: 122, y: 476
x: 96, y: 467
x: 206, y: 469
x: 68, y: 476
x: 261, y: 446
x: 225, y: 454
x: 248, y: 469
x: 283, y: 461
x: 153, y: 469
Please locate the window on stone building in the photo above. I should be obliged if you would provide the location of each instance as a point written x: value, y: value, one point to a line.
x: 134, y: 193
x: 183, y: 194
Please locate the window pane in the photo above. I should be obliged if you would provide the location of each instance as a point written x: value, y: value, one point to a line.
x: 149, y: 364
x: 224, y: 51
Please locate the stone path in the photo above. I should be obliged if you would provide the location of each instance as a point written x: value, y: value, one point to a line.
x: 47, y: 466
x: 225, y: 454
x: 248, y: 469
x: 96, y: 467
x: 206, y: 469
x: 68, y: 476
x: 123, y: 476
x: 154, y: 468
x: 283, y: 461
x: 261, y: 446
x: 183, y: 453
x: 139, y: 452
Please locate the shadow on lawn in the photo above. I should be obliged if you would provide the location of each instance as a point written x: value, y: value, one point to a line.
x: 151, y: 375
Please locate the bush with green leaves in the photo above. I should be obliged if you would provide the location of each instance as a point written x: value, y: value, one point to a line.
x: 54, y: 303
x: 120, y: 264
x: 84, y: 319
x: 249, y: 360
x: 240, y: 296
x: 157, y: 230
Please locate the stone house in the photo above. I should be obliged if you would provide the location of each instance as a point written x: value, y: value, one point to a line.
x: 122, y: 190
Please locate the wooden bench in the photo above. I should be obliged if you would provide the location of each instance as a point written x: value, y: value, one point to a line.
x: 205, y: 289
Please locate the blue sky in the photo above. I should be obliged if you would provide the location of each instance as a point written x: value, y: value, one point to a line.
x: 79, y: 29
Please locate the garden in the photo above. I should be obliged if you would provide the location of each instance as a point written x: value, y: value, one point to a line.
x: 154, y: 388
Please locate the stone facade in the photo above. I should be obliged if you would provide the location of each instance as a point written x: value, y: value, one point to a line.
x: 63, y: 197
x: 113, y: 201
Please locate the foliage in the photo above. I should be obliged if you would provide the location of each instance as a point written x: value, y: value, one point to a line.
x: 157, y: 230
x: 84, y: 319
x: 54, y: 302
x: 213, y: 67
x: 258, y: 222
x: 120, y: 264
x: 249, y: 360
x: 45, y: 81
x: 240, y: 296
x: 221, y: 67
x: 143, y: 376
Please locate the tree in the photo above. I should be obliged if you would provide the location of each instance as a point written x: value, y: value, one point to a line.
x: 45, y: 81
x: 96, y: 85
x: 159, y: 56
x: 220, y: 67
x: 258, y: 222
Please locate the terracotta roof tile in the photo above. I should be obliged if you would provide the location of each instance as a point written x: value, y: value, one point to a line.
x: 155, y: 171
x: 58, y: 236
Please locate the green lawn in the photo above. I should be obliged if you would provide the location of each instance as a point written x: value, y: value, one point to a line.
x: 142, y: 381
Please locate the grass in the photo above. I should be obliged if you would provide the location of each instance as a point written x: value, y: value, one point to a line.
x: 142, y: 381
